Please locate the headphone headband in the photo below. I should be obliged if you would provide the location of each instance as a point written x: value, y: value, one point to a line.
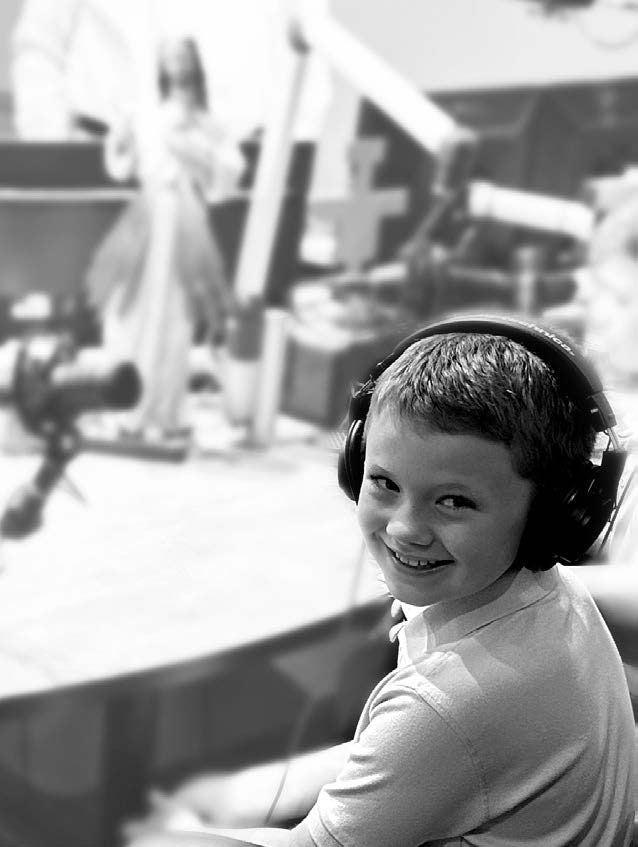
x: 573, y: 370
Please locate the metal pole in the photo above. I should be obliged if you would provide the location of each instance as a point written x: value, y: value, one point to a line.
x: 270, y: 184
x: 419, y: 116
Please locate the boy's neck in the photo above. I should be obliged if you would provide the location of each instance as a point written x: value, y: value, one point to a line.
x: 462, y: 605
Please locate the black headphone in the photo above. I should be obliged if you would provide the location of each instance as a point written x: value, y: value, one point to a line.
x: 567, y: 528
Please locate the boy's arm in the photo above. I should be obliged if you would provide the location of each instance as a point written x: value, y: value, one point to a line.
x: 244, y: 798
x: 273, y: 838
x: 262, y: 838
x: 248, y: 795
x: 306, y: 775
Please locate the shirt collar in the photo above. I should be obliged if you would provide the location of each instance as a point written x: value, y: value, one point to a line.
x: 447, y: 622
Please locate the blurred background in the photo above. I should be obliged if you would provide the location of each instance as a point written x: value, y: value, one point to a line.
x: 215, y: 217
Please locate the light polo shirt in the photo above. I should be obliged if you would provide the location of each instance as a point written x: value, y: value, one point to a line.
x: 507, y: 722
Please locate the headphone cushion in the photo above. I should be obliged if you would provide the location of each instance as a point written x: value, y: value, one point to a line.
x: 587, y: 509
x: 350, y: 466
x: 565, y: 527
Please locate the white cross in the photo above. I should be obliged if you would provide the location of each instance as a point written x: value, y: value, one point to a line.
x: 359, y: 216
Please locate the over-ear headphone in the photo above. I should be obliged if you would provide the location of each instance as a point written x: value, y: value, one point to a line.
x: 569, y: 526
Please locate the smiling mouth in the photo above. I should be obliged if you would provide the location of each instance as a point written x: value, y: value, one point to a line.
x: 419, y: 564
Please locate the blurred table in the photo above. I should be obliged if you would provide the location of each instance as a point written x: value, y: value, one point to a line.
x: 167, y: 575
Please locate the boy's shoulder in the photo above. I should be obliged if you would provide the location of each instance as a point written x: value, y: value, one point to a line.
x: 518, y: 642
x: 530, y: 665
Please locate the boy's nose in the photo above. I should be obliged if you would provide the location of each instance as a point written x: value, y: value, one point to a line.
x: 409, y: 526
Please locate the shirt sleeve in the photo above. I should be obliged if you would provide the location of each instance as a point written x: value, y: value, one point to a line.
x: 412, y: 778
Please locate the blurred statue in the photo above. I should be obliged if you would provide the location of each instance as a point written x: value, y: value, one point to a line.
x: 159, y: 272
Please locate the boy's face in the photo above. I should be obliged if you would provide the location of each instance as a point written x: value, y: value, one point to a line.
x: 442, y: 514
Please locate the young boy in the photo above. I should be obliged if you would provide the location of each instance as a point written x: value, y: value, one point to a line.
x: 507, y: 721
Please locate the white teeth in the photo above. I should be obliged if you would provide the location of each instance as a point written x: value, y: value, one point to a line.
x: 417, y: 563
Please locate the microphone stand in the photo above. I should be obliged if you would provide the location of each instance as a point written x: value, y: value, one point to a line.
x: 23, y: 513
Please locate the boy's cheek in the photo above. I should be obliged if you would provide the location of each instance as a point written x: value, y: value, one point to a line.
x: 370, y: 520
x: 361, y: 509
x: 370, y: 525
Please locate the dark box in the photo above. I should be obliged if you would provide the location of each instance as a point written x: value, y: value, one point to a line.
x: 322, y: 367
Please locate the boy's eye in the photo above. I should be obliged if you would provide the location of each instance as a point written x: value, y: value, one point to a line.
x: 456, y: 501
x: 383, y: 482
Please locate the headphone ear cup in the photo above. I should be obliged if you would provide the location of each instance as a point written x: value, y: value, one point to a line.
x: 572, y: 518
x: 564, y: 528
x: 588, y: 508
x: 350, y: 465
